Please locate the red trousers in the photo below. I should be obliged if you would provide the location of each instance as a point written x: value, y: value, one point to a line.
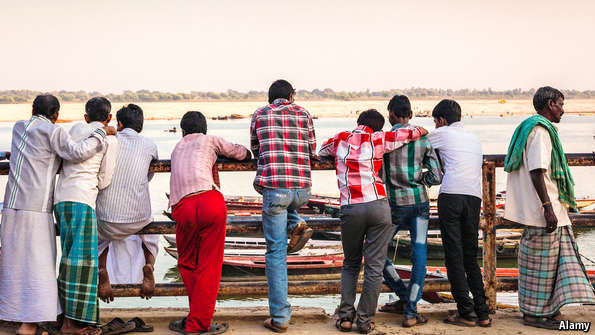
x: 200, y: 238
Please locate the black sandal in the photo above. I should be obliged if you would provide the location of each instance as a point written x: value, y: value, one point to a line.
x: 339, y: 324
x: 543, y: 323
x: 366, y: 328
x: 141, y: 326
x: 117, y: 326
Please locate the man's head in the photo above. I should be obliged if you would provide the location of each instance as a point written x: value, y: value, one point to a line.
x: 281, y: 89
x: 549, y: 102
x: 371, y: 118
x: 446, y: 112
x: 130, y: 116
x: 399, y: 110
x: 98, y: 109
x: 46, y: 105
x: 193, y: 123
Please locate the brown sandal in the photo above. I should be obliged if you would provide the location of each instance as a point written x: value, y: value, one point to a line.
x: 458, y: 320
x: 417, y: 320
x: 272, y: 325
x: 339, y: 324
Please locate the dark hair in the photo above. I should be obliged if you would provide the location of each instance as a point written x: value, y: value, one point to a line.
x: 544, y: 95
x: 46, y: 105
x: 449, y: 110
x: 280, y: 89
x: 372, y: 119
x: 400, y: 106
x: 98, y: 109
x: 193, y: 123
x: 131, y: 117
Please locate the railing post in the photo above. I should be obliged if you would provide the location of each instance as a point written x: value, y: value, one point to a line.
x: 489, y: 233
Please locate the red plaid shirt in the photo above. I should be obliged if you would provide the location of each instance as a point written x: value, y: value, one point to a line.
x: 282, y: 137
x: 358, y: 159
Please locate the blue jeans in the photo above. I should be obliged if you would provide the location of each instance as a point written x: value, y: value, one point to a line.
x: 415, y: 218
x: 279, y: 215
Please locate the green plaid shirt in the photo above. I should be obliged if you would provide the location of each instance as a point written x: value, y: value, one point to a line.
x: 403, y: 172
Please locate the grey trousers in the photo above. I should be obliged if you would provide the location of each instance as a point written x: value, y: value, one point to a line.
x: 365, y: 231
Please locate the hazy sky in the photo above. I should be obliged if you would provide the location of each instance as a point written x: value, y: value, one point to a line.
x: 176, y: 45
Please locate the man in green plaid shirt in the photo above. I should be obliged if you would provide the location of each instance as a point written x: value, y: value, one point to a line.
x: 406, y: 182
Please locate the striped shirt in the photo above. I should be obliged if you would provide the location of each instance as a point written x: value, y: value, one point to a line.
x: 282, y: 139
x: 404, y: 175
x: 37, y: 149
x: 192, y: 163
x: 358, y: 159
x: 126, y: 199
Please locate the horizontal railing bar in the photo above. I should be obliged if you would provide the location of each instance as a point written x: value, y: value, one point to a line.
x: 260, y: 288
x: 225, y: 164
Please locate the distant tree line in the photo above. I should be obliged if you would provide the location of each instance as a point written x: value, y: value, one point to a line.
x: 26, y: 96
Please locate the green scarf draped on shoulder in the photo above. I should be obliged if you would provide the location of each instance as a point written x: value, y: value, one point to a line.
x: 559, y: 168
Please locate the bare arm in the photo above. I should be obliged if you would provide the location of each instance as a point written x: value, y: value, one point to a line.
x: 538, y: 181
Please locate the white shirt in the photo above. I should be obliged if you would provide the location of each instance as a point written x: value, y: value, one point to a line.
x: 522, y: 202
x: 126, y: 199
x: 37, y: 149
x: 461, y: 156
x: 79, y: 182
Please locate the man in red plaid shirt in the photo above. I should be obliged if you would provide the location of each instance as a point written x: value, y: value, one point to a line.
x: 282, y: 138
x: 365, y: 213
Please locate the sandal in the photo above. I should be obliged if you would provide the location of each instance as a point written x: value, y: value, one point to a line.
x: 417, y: 320
x: 458, y: 320
x: 366, y: 328
x: 397, y: 306
x: 117, y: 326
x: 178, y: 326
x: 339, y: 324
x: 272, y: 325
x: 141, y: 326
x: 485, y: 325
x: 90, y: 330
x: 543, y: 323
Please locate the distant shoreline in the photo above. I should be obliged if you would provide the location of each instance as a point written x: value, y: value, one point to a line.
x: 320, y: 108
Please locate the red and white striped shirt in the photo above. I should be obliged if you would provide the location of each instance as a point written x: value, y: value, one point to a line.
x: 358, y: 159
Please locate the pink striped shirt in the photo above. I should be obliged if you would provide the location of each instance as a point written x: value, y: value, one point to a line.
x: 192, y: 161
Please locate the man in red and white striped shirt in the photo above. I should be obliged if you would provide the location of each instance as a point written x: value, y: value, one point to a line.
x: 366, y: 222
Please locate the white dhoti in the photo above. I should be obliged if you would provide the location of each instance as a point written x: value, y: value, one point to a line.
x: 125, y: 258
x: 28, y: 286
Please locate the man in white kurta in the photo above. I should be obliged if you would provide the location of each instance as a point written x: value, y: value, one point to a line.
x: 28, y: 290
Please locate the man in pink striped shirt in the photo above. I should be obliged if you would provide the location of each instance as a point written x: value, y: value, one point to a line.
x: 365, y: 212
x: 199, y: 211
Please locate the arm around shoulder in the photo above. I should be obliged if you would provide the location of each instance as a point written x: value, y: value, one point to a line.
x: 64, y: 146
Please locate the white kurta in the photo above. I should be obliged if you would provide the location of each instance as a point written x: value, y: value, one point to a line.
x: 28, y: 286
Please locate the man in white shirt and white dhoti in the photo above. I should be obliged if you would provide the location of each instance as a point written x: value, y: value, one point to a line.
x: 28, y: 289
x: 539, y: 190
x: 124, y: 208
x: 76, y: 194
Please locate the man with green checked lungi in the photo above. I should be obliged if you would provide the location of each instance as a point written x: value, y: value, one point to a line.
x: 76, y: 193
x: 540, y: 190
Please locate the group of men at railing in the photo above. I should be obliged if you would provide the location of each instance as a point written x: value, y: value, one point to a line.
x: 102, y: 196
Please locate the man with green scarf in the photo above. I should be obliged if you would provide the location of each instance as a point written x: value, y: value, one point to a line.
x: 540, y: 190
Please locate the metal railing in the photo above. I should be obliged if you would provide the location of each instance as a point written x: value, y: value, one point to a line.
x: 490, y: 221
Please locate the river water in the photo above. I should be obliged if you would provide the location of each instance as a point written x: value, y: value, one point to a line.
x: 577, y: 135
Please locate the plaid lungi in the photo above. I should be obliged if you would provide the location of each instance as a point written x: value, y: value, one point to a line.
x: 78, y: 273
x: 551, y: 273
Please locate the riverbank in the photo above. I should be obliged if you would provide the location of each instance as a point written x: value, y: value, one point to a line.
x: 318, y: 108
x: 316, y: 321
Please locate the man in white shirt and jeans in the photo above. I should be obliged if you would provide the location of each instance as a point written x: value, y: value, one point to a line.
x: 75, y: 196
x: 124, y: 208
x: 459, y: 205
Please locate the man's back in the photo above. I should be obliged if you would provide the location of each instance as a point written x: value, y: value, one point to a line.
x: 79, y: 181
x: 126, y: 199
x: 403, y: 171
x: 283, y: 139
x: 461, y: 157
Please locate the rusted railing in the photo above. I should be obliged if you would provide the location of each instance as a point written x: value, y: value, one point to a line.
x: 490, y: 221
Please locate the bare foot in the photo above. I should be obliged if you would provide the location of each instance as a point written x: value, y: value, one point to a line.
x: 28, y: 329
x: 148, y: 286
x: 105, y: 288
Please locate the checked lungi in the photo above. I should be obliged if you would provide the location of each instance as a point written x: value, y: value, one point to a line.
x: 551, y: 273
x: 78, y: 272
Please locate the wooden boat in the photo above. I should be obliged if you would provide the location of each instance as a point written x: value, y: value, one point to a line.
x: 260, y: 243
x: 500, y: 272
x: 432, y: 297
x: 507, y: 243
